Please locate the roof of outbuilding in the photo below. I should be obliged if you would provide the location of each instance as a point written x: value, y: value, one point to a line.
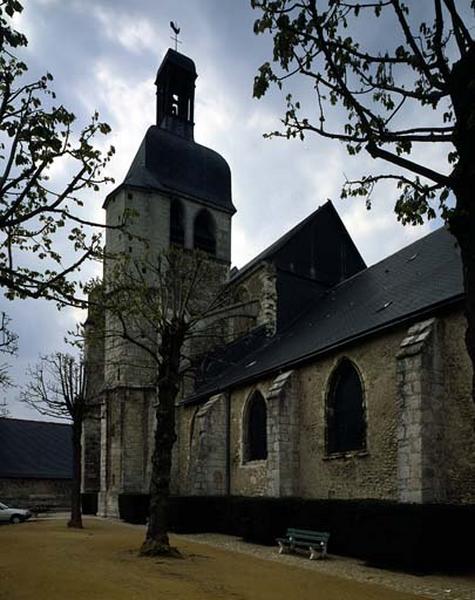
x: 173, y: 164
x: 35, y: 449
x: 421, y: 277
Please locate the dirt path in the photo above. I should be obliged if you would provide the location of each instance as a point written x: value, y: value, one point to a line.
x: 44, y: 560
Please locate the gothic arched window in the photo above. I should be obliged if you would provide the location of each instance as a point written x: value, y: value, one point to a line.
x: 346, y: 423
x: 255, y: 428
x: 204, y: 237
x: 177, y: 220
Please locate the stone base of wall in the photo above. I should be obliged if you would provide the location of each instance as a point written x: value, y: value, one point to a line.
x: 25, y: 493
x: 108, y: 505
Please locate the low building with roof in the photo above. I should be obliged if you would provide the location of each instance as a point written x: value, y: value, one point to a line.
x: 35, y: 463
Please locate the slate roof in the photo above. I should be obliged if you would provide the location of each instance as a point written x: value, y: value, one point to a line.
x: 421, y: 277
x: 178, y: 59
x: 35, y: 449
x: 269, y: 252
x: 173, y: 164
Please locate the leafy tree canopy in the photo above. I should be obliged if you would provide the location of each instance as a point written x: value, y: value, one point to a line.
x: 37, y: 133
x: 413, y: 68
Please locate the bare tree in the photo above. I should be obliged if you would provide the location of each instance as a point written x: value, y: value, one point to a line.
x: 57, y: 388
x: 413, y: 90
x: 8, y: 346
x: 172, y: 308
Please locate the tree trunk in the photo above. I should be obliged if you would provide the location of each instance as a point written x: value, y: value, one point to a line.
x: 462, y: 220
x: 156, y: 540
x: 76, y: 519
x: 462, y: 226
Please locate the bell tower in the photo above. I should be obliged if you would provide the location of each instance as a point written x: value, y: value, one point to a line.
x: 175, y: 83
x: 176, y: 192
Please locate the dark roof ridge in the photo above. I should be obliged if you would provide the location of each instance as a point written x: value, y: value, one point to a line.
x: 280, y: 242
x: 286, y: 237
x: 41, y: 422
x: 321, y: 352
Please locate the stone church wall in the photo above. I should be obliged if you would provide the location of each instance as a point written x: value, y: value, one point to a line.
x: 127, y: 437
x: 206, y: 471
x: 369, y: 473
x: 258, y: 288
x: 247, y: 478
x: 148, y: 218
x: 91, y: 451
x: 436, y: 446
x: 222, y: 222
x: 297, y: 463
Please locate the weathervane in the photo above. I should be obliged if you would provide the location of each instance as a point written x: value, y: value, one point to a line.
x: 176, y: 30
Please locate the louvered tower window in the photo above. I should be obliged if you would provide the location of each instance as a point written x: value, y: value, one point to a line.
x: 204, y: 236
x: 177, y: 228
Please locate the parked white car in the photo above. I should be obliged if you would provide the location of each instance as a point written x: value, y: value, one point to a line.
x: 13, y: 515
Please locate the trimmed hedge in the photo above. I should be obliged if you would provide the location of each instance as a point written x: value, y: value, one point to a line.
x: 422, y: 537
x: 134, y: 508
x: 89, y: 504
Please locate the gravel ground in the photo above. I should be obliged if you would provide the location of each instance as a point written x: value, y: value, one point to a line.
x: 445, y: 587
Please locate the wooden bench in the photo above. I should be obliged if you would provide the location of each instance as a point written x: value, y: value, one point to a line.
x: 313, y: 541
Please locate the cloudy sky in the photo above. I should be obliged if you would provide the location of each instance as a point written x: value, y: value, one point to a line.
x: 104, y: 55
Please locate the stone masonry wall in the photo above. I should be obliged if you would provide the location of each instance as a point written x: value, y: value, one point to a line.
x: 207, y: 464
x: 91, y: 451
x: 297, y: 463
x: 247, y: 478
x: 127, y: 438
x: 94, y: 364
x: 428, y: 390
x: 420, y: 385
x: 359, y: 474
x: 25, y: 493
x: 436, y: 456
x: 259, y: 290
x: 283, y: 435
x: 148, y: 216
x: 222, y: 222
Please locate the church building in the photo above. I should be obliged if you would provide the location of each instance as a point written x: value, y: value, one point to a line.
x: 344, y: 382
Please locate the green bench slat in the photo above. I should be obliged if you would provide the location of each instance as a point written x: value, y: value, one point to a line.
x: 305, y: 538
x: 307, y: 535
